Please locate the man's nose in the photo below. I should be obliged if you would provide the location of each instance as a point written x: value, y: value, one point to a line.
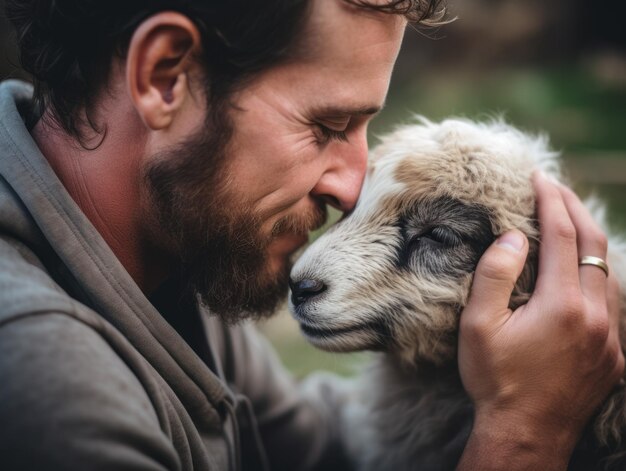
x: 340, y: 185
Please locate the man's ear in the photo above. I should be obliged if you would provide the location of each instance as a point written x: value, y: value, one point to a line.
x: 160, y: 57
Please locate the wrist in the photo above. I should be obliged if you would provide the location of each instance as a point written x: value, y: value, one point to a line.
x: 513, y: 441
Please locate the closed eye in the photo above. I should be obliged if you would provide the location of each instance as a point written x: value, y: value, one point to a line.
x: 439, y: 235
x: 327, y: 134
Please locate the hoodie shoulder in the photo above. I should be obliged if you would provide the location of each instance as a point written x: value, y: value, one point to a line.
x: 25, y: 285
x: 68, y: 401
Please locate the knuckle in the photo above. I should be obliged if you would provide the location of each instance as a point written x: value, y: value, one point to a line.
x: 470, y: 323
x: 475, y: 329
x: 565, y: 230
x: 572, y: 301
x: 497, y: 269
x: 596, y: 238
x: 471, y: 329
x: 602, y: 242
x: 571, y: 309
x: 598, y: 330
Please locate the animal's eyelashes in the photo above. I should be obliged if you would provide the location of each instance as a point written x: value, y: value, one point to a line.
x: 443, y: 236
x: 436, y: 237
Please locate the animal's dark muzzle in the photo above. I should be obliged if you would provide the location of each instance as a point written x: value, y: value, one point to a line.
x: 304, y: 290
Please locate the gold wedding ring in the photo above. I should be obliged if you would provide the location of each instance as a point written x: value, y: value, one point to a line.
x: 595, y: 261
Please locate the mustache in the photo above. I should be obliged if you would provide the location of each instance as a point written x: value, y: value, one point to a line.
x: 304, y: 223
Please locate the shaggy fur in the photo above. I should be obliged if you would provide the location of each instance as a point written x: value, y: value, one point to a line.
x: 397, y: 273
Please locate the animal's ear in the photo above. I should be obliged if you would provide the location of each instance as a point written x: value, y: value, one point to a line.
x: 526, y: 282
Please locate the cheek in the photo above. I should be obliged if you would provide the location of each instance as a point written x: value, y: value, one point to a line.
x: 292, y: 164
x: 277, y: 193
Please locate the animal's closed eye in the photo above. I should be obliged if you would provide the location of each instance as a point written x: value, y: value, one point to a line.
x: 439, y: 235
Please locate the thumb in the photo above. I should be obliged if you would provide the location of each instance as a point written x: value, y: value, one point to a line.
x: 495, y: 276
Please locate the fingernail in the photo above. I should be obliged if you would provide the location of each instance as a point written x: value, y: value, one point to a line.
x: 513, y: 241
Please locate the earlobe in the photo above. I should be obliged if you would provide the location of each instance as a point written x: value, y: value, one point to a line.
x: 161, y: 55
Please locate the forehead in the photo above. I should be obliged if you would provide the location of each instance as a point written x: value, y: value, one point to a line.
x: 336, y: 29
x: 346, y: 54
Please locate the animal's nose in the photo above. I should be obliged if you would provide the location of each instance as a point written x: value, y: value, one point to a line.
x: 305, y: 289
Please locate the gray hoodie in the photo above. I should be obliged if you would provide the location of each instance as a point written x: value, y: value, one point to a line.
x: 92, y: 375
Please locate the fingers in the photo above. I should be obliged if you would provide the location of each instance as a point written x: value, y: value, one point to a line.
x: 614, y: 308
x: 614, y: 304
x: 558, y: 253
x: 600, y: 289
x: 604, y: 297
x: 495, y: 277
x: 614, y: 348
x: 590, y: 241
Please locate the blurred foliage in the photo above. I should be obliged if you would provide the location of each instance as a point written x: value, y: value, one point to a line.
x: 576, y: 109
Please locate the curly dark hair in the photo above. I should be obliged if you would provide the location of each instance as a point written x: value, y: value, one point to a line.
x: 66, y: 45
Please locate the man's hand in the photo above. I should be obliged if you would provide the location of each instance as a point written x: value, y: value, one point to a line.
x: 538, y: 374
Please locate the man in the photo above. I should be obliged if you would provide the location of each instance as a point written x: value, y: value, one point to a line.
x: 174, y: 156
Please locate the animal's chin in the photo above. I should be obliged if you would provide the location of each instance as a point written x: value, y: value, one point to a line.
x: 368, y: 336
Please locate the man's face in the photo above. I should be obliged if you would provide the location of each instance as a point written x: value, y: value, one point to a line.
x: 243, y: 207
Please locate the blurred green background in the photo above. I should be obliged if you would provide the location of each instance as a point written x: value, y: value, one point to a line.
x: 555, y: 67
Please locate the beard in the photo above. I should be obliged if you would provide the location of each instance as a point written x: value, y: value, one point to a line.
x: 213, y: 238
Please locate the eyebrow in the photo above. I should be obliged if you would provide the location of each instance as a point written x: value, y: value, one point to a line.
x: 348, y: 111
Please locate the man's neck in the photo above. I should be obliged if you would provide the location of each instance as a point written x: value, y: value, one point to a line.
x: 105, y: 182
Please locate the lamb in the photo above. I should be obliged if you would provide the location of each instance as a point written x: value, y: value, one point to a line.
x: 395, y: 274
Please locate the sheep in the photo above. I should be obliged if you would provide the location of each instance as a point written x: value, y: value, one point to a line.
x: 394, y: 275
